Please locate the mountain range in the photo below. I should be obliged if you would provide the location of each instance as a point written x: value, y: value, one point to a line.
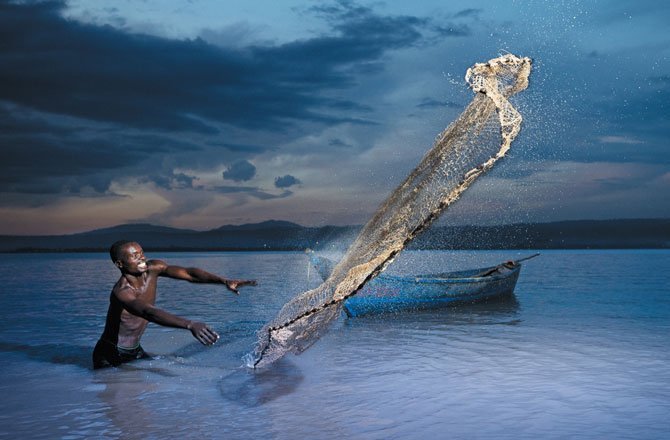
x: 283, y: 235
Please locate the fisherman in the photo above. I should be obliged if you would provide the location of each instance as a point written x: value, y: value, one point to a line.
x: 131, y: 304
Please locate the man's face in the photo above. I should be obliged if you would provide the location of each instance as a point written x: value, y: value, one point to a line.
x: 133, y: 260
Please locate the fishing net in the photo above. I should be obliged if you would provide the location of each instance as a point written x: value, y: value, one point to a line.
x: 470, y: 146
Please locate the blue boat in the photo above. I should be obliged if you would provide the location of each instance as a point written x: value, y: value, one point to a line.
x: 390, y: 293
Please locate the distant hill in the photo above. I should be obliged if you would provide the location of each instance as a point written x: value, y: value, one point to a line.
x: 282, y: 235
x: 270, y: 224
x: 138, y: 228
x: 269, y: 235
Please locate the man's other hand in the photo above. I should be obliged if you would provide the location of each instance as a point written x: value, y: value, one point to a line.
x: 203, y: 333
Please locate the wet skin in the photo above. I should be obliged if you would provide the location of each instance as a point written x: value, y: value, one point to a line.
x: 133, y: 297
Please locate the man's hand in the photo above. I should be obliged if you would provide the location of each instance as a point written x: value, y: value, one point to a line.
x: 203, y: 333
x: 233, y: 285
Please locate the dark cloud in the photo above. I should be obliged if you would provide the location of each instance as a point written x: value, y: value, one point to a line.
x: 453, y: 30
x: 46, y: 196
x: 433, y: 103
x: 251, y: 191
x: 622, y: 183
x: 172, y: 180
x: 35, y: 161
x: 100, y: 73
x: 240, y: 171
x: 82, y: 104
x: 349, y: 106
x: 15, y: 119
x: 338, y: 143
x: 246, y: 148
x: 376, y: 32
x: 640, y: 124
x: 363, y: 36
x: 467, y: 13
x: 286, y: 181
x: 42, y: 156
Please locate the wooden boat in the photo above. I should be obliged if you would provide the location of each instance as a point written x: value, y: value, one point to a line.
x: 391, y: 293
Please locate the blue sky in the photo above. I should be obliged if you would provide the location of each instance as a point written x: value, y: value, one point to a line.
x: 196, y: 114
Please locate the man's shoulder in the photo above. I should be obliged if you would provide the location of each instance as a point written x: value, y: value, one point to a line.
x: 157, y: 265
x: 121, y: 283
x: 121, y: 288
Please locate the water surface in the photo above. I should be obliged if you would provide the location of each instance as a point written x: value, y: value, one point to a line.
x: 580, y: 351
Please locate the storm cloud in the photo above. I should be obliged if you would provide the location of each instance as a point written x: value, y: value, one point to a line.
x: 86, y: 103
x: 101, y: 73
x: 240, y: 171
x: 286, y: 181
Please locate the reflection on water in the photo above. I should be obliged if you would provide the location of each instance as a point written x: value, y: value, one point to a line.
x: 125, y: 401
x: 52, y: 353
x: 253, y: 388
x: 499, y: 310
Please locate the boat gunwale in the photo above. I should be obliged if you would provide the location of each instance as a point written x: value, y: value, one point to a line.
x: 431, y: 279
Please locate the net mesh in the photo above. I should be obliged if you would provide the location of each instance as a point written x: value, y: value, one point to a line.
x: 462, y: 152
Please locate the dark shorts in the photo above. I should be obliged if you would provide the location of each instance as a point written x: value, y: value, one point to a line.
x: 107, y: 354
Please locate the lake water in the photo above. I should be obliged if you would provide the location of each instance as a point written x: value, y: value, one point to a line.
x: 582, y: 350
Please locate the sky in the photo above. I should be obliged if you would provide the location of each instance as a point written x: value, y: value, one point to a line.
x: 201, y: 113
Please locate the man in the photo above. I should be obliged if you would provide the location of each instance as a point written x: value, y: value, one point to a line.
x: 131, y: 304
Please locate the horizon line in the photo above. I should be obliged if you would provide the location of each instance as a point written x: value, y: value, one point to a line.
x: 329, y: 225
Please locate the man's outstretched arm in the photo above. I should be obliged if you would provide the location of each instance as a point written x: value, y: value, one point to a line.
x: 137, y: 307
x: 196, y: 275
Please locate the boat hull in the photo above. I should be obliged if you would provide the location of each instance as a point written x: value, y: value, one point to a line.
x: 390, y: 294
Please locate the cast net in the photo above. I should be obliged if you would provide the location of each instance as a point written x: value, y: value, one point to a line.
x: 470, y: 146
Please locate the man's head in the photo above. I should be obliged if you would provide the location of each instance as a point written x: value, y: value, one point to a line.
x: 128, y: 256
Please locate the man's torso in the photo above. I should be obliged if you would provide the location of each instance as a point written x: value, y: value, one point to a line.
x: 131, y: 327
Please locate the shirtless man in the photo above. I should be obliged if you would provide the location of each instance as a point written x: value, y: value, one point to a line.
x: 131, y: 304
